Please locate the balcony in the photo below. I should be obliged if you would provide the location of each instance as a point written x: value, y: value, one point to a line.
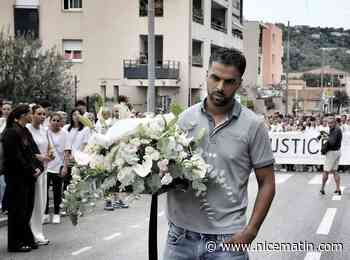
x: 198, y: 16
x: 197, y: 61
x: 237, y: 33
x: 217, y: 25
x: 134, y: 69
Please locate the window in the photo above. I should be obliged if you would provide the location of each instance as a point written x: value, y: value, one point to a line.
x: 218, y: 17
x: 72, y: 4
x: 72, y: 50
x: 158, y: 7
x: 273, y: 58
x: 116, y: 92
x: 197, y: 50
x: 26, y: 21
x: 198, y: 14
x: 273, y: 38
x: 163, y: 103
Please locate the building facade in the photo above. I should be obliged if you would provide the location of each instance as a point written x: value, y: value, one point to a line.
x: 272, y: 45
x: 107, y: 42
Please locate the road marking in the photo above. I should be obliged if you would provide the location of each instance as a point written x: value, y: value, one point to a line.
x: 161, y: 214
x: 338, y: 197
x: 112, y: 236
x: 313, y: 256
x: 326, y: 222
x: 281, y: 178
x: 84, y: 249
x: 135, y: 226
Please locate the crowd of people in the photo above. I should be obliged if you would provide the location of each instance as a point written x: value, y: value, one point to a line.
x: 304, y: 123
x: 38, y: 147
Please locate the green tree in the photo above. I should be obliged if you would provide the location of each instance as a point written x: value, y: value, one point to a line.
x: 29, y: 73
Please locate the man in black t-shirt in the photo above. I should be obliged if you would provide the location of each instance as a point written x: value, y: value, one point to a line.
x: 332, y: 155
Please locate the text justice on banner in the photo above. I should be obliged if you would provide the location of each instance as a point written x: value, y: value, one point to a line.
x: 300, y: 148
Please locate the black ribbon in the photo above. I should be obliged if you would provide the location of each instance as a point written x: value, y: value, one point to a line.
x: 152, y: 232
x: 178, y: 184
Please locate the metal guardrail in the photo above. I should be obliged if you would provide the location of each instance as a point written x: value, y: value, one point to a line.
x: 197, y: 60
x: 198, y: 16
x: 218, y: 27
x: 134, y: 69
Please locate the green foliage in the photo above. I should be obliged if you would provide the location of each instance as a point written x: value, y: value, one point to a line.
x: 176, y: 109
x: 29, y: 73
x: 306, y: 43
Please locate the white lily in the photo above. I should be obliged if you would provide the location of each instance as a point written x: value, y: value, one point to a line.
x: 143, y: 169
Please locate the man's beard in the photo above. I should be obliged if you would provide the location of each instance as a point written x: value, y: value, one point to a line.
x: 219, y: 100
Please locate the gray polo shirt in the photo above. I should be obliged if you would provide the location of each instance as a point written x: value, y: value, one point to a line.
x: 232, y: 150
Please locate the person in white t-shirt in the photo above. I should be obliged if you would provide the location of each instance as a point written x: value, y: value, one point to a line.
x: 104, y: 122
x: 58, y: 167
x: 39, y: 134
x: 324, y: 126
x: 78, y: 137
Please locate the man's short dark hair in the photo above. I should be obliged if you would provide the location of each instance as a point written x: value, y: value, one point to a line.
x: 231, y: 57
x: 80, y: 103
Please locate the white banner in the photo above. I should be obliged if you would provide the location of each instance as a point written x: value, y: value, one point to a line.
x: 300, y: 148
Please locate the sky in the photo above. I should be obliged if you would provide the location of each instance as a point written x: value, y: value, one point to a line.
x: 324, y: 13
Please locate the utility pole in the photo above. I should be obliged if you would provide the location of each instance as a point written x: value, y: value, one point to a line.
x: 287, y: 72
x: 322, y: 77
x: 151, y: 92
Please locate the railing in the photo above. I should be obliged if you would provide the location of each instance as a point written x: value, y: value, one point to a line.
x: 134, y: 69
x: 198, y: 16
x: 216, y: 26
x: 197, y: 61
x: 237, y: 33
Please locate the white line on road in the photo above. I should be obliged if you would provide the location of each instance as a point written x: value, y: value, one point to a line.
x: 313, y: 256
x: 112, y: 236
x: 135, y: 226
x: 337, y: 197
x: 280, y: 178
x: 84, y: 249
x: 161, y: 214
x: 326, y: 222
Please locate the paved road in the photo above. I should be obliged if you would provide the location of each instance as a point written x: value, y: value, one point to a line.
x: 299, y: 213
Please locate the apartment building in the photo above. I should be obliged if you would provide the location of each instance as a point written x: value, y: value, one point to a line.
x: 263, y: 47
x: 107, y: 42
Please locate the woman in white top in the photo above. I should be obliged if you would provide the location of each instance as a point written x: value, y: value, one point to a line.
x: 78, y: 137
x: 58, y: 167
x: 6, y: 110
x: 39, y: 134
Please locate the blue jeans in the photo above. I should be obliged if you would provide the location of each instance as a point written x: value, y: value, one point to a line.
x: 2, y: 188
x: 187, y: 245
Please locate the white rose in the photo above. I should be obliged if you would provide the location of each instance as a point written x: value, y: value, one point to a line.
x: 167, y: 179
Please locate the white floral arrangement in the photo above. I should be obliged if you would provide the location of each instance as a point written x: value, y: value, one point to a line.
x: 143, y: 156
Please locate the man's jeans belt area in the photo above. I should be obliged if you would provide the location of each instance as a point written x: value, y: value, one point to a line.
x: 198, y: 236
